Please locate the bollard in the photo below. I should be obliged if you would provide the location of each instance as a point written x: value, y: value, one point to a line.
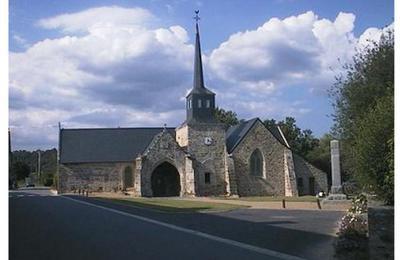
x: 284, y: 204
x: 319, y: 204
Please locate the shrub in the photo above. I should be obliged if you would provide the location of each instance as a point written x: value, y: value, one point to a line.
x: 353, y: 229
x: 359, y: 205
x: 353, y: 226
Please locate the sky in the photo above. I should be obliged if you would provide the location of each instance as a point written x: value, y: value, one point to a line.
x: 98, y: 63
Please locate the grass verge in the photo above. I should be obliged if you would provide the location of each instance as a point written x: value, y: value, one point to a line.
x: 271, y: 198
x: 174, y: 205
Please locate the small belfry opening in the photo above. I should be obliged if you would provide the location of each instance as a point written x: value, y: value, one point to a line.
x: 165, y: 181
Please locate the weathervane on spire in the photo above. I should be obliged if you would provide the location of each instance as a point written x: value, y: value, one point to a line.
x: 197, y: 18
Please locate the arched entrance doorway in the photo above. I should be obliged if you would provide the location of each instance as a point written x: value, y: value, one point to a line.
x: 165, y: 181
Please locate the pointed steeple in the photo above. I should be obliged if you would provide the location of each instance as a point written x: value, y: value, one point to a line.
x: 198, y: 80
x: 200, y: 102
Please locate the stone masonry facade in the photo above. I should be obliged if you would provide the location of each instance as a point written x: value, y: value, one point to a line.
x: 92, y: 176
x: 272, y: 182
x: 208, y: 159
x: 162, y: 149
x: 229, y: 174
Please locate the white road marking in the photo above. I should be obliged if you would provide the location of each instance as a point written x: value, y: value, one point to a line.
x: 259, y: 250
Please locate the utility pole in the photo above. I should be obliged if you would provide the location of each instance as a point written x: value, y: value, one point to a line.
x: 39, y: 166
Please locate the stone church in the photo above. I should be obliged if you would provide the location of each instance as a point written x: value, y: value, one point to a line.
x: 201, y: 157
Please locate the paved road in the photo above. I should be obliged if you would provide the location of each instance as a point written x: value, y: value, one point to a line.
x: 43, y: 226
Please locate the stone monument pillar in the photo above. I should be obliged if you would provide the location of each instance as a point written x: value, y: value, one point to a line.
x: 336, y: 189
x: 335, y: 168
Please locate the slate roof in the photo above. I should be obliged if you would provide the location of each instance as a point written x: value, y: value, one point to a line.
x: 202, y: 90
x: 236, y: 133
x: 105, y: 144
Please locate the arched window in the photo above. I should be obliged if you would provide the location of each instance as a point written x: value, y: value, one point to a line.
x: 256, y: 163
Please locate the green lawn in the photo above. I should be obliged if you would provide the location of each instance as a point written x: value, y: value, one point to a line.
x: 174, y: 205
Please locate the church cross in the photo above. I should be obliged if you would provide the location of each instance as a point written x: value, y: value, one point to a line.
x: 197, y: 18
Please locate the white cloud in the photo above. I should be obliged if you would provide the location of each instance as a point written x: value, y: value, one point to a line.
x: 372, y: 35
x: 21, y: 41
x: 285, y: 52
x: 99, y: 17
x: 266, y: 67
x: 124, y: 73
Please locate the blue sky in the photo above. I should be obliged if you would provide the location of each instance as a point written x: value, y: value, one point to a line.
x: 129, y: 63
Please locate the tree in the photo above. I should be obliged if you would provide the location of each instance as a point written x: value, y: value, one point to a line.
x: 227, y: 117
x: 48, y: 162
x: 21, y: 170
x: 374, y: 149
x: 364, y: 117
x: 269, y: 123
x: 320, y: 155
x: 301, y: 141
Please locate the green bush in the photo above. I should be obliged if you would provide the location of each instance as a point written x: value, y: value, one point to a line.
x: 363, y: 100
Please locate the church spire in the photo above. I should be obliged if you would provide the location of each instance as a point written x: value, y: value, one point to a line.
x: 198, y: 81
x: 200, y: 102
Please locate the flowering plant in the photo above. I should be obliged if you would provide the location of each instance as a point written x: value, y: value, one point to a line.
x: 353, y: 229
x: 353, y: 225
x: 359, y: 204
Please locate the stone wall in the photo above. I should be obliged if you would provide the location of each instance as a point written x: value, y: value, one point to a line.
x: 305, y: 170
x: 163, y: 148
x: 92, y: 176
x: 273, y: 180
x: 182, y: 135
x: 230, y: 176
x: 290, y: 174
x: 208, y: 158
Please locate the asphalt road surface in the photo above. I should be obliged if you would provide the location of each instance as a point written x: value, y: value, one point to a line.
x: 44, y: 226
